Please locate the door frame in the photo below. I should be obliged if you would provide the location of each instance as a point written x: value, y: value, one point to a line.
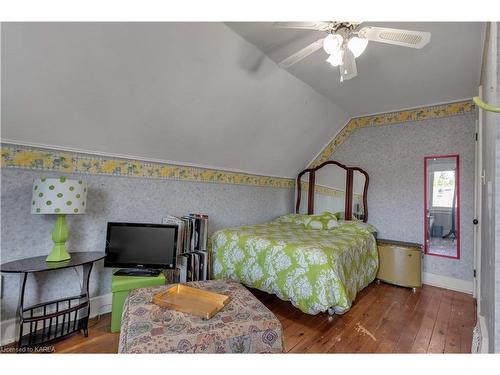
x: 478, y: 185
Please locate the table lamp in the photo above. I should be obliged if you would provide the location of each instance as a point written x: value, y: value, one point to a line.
x: 60, y: 196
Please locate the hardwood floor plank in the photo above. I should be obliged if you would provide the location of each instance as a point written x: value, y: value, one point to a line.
x: 408, y: 335
x: 342, y: 323
x: 386, y: 331
x: 458, y: 323
x: 467, y: 323
x: 366, y: 339
x: 326, y: 328
x: 431, y: 320
x: 299, y: 332
x: 423, y: 337
x: 354, y: 331
x: 438, y: 338
x: 392, y: 326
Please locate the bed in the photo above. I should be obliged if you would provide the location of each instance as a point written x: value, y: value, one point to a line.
x: 316, y: 270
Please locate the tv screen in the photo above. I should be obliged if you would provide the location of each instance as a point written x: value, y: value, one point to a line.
x: 141, y: 245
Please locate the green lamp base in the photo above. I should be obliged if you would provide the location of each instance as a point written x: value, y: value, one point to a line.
x: 59, y: 236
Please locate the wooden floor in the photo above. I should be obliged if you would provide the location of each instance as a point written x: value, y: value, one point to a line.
x: 383, y: 319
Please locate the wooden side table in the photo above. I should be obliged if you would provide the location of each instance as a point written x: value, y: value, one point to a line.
x: 53, y: 320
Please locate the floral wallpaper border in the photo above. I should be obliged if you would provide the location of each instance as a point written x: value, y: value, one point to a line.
x: 418, y: 114
x: 15, y: 156
x: 324, y: 190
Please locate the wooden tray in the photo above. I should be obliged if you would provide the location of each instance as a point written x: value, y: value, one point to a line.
x: 189, y: 300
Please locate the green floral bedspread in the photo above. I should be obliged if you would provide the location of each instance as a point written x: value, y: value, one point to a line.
x: 314, y: 269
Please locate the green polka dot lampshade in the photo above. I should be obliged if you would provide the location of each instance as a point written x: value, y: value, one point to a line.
x: 58, y: 196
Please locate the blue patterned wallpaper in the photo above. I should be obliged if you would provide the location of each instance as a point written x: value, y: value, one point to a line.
x: 113, y: 198
x: 393, y: 156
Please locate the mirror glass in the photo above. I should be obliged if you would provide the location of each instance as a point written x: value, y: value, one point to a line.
x: 358, y: 186
x: 442, y: 202
x: 329, y: 191
x: 304, y: 193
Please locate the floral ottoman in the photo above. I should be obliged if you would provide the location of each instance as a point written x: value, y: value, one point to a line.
x: 244, y: 325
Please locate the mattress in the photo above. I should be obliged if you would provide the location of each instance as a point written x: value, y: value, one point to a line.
x: 313, y: 269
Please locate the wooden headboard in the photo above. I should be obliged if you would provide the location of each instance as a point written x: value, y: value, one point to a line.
x: 335, y: 179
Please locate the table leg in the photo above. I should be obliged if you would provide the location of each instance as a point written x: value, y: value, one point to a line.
x: 20, y: 305
x: 87, y: 269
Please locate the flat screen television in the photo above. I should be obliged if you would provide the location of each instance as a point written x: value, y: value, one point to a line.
x: 141, y: 246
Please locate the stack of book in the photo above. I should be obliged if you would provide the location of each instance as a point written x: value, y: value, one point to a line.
x: 193, y: 266
x: 193, y: 260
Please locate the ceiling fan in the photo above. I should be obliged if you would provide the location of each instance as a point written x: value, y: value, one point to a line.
x: 346, y: 41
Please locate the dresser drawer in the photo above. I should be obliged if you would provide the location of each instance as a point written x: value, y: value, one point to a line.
x: 400, y: 265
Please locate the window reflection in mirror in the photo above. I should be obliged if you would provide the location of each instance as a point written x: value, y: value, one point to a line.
x: 358, y: 185
x: 442, y: 206
x: 304, y: 193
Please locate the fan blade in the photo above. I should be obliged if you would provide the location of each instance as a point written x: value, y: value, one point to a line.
x: 348, y: 68
x: 303, y: 53
x: 321, y: 26
x: 405, y: 38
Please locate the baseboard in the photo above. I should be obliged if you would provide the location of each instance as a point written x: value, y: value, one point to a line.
x: 9, y: 327
x: 447, y: 282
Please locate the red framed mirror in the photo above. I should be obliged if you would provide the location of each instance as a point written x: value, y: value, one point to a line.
x: 442, y: 206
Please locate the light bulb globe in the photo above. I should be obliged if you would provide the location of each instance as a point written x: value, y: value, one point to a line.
x: 332, y: 43
x: 357, y: 45
x: 336, y: 58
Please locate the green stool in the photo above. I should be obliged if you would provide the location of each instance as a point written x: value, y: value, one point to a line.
x: 121, y: 286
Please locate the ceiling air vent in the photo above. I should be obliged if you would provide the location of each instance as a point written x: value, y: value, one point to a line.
x: 401, y: 37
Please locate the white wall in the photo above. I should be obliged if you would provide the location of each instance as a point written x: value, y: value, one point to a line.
x: 497, y: 202
x: 490, y: 220
x: 184, y: 92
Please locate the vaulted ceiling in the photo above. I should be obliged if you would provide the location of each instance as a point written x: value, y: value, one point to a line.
x: 210, y: 95
x: 187, y: 93
x: 389, y: 77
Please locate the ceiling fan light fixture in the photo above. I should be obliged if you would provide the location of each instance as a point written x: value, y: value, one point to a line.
x: 357, y: 45
x: 332, y: 43
x: 335, y: 59
x: 345, y: 42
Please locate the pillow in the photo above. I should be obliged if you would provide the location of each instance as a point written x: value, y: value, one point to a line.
x: 355, y: 224
x: 329, y: 213
x: 292, y: 218
x: 325, y: 221
x: 339, y: 215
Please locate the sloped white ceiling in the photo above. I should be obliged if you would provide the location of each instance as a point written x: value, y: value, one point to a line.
x: 194, y: 93
x: 389, y: 77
